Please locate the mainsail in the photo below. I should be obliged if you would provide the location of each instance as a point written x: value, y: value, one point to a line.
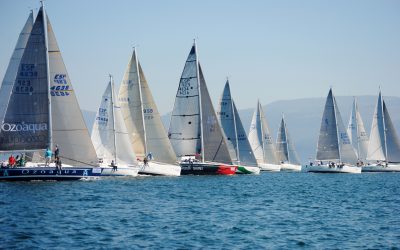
x: 42, y: 108
x: 194, y: 128
x: 26, y: 122
x: 237, y: 141
x: 141, y: 115
x: 384, y: 143
x: 333, y: 142
x: 357, y: 134
x: 260, y: 138
x: 109, y: 134
x: 285, y: 147
x: 12, y: 69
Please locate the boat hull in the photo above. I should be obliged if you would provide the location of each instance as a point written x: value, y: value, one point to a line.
x: 269, y: 167
x: 381, y: 168
x: 47, y: 173
x: 290, y: 167
x: 248, y: 170
x: 158, y: 168
x: 203, y: 168
x: 329, y: 169
x: 120, y: 171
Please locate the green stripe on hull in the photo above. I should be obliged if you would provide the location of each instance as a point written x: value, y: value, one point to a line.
x: 243, y: 170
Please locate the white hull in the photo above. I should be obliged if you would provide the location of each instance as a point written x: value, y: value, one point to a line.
x: 290, y: 167
x: 248, y: 170
x: 335, y: 169
x: 269, y: 167
x: 158, y: 168
x: 391, y: 167
x: 122, y: 170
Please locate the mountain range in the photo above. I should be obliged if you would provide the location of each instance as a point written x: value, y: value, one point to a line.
x: 303, y: 118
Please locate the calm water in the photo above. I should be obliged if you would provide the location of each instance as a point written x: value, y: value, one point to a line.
x: 272, y: 210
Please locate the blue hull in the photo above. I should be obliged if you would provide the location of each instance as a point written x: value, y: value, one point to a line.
x: 45, y: 174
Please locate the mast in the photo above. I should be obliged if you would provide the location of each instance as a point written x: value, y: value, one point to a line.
x: 262, y: 130
x: 236, y: 135
x: 357, y: 129
x: 50, y: 142
x: 201, y: 113
x: 384, y: 126
x: 141, y: 102
x: 337, y: 131
x: 113, y: 118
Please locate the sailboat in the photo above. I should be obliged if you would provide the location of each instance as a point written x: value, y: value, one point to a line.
x: 261, y: 141
x: 194, y: 130
x: 110, y: 138
x: 384, y: 144
x: 42, y: 111
x: 237, y: 141
x: 148, y: 137
x: 335, y: 154
x: 285, y: 149
x: 357, y: 134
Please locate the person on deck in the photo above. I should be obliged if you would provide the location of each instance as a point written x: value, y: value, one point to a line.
x: 47, y: 156
x: 114, y: 167
x: 56, y: 152
x: 11, y: 161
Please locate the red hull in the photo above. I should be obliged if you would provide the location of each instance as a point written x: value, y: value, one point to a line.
x: 226, y: 169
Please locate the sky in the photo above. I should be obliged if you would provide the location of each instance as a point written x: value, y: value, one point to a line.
x: 270, y: 50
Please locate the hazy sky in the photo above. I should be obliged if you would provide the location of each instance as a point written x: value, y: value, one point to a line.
x: 271, y: 50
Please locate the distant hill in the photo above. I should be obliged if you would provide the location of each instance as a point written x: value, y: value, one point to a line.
x: 303, y: 117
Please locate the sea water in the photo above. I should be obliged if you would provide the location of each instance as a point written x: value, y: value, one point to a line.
x: 268, y: 211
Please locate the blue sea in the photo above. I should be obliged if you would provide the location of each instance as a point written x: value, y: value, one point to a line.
x: 269, y: 211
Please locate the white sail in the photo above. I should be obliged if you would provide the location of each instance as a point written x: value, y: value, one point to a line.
x: 384, y: 143
x: 357, y: 134
x: 261, y: 139
x: 184, y: 130
x: 237, y: 141
x: 333, y: 142
x: 285, y: 147
x: 69, y: 128
x: 194, y: 128
x: 12, y: 69
x: 347, y: 153
x: 142, y: 117
x: 109, y: 134
x: 377, y: 145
